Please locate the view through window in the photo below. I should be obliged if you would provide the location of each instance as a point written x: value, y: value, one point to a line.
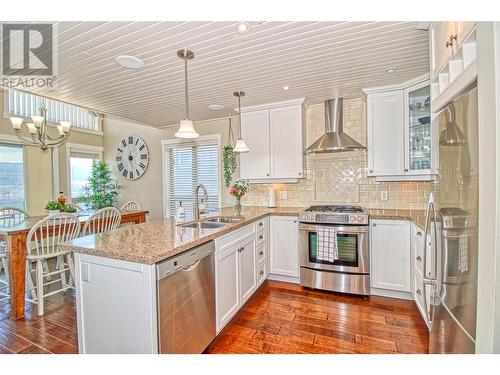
x: 11, y: 177
x: 81, y: 168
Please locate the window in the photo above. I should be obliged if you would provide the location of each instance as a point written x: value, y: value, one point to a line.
x: 24, y: 104
x: 186, y: 165
x: 80, y: 168
x: 11, y: 176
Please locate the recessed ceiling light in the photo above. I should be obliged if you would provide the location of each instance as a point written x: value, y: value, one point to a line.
x: 285, y: 87
x: 216, y: 107
x: 391, y: 69
x: 130, y: 62
x: 243, y: 27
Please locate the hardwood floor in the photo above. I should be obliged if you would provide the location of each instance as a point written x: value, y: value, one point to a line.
x: 286, y: 318
x: 279, y: 318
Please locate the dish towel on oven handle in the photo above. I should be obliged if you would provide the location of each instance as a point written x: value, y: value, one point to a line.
x: 327, y: 245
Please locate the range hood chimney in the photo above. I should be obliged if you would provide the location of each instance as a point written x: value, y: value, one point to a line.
x: 334, y: 139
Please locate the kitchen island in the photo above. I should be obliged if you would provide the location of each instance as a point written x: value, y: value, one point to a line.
x: 117, y: 274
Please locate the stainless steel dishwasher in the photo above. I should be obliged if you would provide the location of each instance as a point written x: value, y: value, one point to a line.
x: 186, y: 300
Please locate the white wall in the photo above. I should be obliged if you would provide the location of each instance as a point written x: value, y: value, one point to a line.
x: 147, y: 190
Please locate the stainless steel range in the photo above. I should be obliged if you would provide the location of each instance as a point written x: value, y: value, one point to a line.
x: 334, y: 249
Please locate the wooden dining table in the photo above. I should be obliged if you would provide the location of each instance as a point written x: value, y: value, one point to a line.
x: 15, y: 234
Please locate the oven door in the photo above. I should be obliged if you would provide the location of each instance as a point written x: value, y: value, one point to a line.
x: 352, y: 248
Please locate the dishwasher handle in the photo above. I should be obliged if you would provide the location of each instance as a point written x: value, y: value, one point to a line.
x: 186, y: 261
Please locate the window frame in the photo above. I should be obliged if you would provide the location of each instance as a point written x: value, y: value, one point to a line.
x: 9, y: 140
x: 177, y: 141
x: 82, y: 149
x: 51, y: 124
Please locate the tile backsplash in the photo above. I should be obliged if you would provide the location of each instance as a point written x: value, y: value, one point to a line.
x: 342, y: 177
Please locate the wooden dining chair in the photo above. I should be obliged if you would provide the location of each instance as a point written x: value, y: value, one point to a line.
x: 103, y: 220
x: 42, y: 245
x: 130, y: 206
x: 9, y: 216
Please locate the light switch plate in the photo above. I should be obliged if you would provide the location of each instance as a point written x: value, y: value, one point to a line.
x: 384, y: 195
x: 283, y: 195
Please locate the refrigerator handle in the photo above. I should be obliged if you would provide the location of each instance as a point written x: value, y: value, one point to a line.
x: 430, y: 210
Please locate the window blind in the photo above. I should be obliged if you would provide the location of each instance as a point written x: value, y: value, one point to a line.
x: 24, y: 104
x: 187, y: 165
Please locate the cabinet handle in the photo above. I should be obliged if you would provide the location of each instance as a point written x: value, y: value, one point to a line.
x: 374, y: 224
x: 261, y: 272
x: 419, y: 292
x: 300, y: 173
x: 261, y: 224
x: 419, y: 233
x: 267, y: 174
x: 406, y: 169
x: 419, y: 258
x: 261, y: 253
x: 295, y: 221
x: 371, y: 171
x: 452, y: 38
x: 261, y: 237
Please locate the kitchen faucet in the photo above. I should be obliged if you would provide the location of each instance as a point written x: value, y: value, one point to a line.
x: 196, y: 199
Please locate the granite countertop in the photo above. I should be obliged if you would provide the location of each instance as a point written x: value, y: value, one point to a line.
x: 157, y: 240
x: 417, y: 216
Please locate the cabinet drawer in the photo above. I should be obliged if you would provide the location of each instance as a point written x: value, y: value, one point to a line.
x: 260, y: 225
x: 261, y: 238
x: 235, y: 236
x: 261, y: 253
x: 261, y: 272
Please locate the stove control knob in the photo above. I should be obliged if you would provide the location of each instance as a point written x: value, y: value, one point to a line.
x: 352, y: 219
x: 361, y: 219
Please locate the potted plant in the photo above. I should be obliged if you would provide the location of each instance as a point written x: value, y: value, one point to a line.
x: 53, y: 207
x: 239, y: 189
x: 69, y: 209
x: 101, y: 190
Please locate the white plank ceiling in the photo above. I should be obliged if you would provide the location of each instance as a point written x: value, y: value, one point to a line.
x: 317, y: 60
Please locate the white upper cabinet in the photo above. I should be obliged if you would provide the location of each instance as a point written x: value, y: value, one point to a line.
x: 256, y: 163
x: 402, y: 143
x: 385, y: 134
x: 453, y: 54
x: 275, y: 135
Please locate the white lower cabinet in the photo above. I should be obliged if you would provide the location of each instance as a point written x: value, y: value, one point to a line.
x: 284, y: 243
x: 240, y: 268
x: 248, y: 273
x: 390, y: 255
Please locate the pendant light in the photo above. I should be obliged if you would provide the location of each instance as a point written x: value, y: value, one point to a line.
x: 186, y: 128
x: 451, y: 135
x: 240, y: 146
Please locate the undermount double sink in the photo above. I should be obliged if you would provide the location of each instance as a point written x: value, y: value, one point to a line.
x: 212, y: 222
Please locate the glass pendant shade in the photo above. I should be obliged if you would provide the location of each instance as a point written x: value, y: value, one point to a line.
x: 65, y: 126
x: 31, y: 127
x: 186, y: 130
x: 16, y: 122
x: 37, y: 120
x: 241, y: 146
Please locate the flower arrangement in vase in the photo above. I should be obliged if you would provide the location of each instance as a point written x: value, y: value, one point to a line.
x: 238, y: 190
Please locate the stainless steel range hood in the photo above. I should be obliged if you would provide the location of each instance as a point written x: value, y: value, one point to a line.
x: 334, y: 139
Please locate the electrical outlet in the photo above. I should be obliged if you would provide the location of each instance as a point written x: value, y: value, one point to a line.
x: 85, y: 272
x: 283, y: 195
x: 384, y: 195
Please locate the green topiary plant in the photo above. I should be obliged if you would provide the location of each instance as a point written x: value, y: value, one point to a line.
x: 230, y: 163
x: 101, y: 190
x: 53, y: 205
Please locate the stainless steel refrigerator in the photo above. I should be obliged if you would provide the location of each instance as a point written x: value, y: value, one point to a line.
x: 450, y: 257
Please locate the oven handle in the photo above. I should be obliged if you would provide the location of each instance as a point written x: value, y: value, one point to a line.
x: 339, y: 228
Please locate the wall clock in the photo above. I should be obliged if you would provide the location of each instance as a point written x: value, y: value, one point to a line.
x: 132, y: 157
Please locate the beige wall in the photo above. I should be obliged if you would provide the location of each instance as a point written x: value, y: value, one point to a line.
x: 38, y: 163
x: 342, y: 177
x: 148, y: 189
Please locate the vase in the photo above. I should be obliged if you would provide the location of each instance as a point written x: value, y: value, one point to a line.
x: 237, y: 204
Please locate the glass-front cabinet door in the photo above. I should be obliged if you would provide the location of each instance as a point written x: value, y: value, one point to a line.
x: 418, y: 129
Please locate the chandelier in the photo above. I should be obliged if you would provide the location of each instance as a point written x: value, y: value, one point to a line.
x: 38, y: 131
